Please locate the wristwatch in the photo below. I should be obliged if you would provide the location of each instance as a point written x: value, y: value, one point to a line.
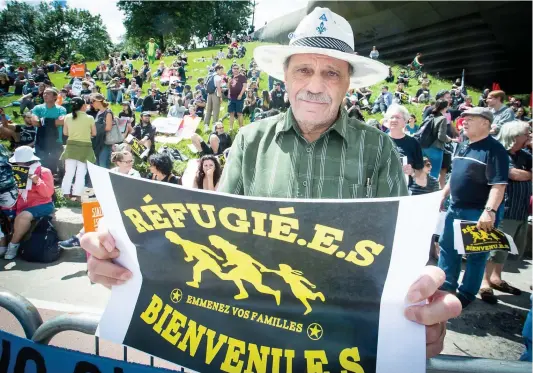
x: 490, y: 209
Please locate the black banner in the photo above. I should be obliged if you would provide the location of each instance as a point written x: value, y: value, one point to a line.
x: 137, y: 148
x: 231, y: 285
x: 475, y: 240
x: 20, y: 173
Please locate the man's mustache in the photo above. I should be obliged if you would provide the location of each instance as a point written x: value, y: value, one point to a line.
x: 320, y: 98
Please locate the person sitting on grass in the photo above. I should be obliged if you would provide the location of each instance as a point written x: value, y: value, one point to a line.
x: 18, y: 135
x: 178, y: 110
x: 4, y: 86
x: 146, y: 72
x: 114, y: 91
x: 403, y: 78
x: 199, y: 104
x: 145, y: 132
x: 160, y: 70
x: 151, y: 103
x: 219, y: 141
x: 423, y: 94
x: 8, y: 197
x: 400, y: 96
x: 161, y: 169
x: 424, y: 79
x: 34, y: 201
x: 208, y: 174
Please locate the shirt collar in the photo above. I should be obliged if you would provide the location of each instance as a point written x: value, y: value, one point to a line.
x: 288, y: 122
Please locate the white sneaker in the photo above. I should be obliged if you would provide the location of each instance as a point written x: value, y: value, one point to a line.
x: 3, y: 250
x: 11, y: 253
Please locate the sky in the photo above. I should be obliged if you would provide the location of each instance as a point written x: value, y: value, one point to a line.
x: 266, y: 10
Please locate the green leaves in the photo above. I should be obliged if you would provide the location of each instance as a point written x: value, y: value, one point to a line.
x: 179, y: 21
x: 48, y: 31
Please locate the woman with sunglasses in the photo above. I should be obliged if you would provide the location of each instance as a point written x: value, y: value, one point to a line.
x: 431, y: 184
x: 104, y: 123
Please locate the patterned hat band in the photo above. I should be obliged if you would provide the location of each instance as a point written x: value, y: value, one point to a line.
x: 322, y: 42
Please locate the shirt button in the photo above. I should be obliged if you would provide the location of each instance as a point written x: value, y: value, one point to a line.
x: 308, y: 150
x: 304, y: 183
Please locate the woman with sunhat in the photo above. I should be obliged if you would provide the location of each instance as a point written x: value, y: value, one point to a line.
x: 34, y: 201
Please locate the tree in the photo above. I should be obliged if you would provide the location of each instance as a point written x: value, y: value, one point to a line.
x: 47, y: 30
x: 182, y: 20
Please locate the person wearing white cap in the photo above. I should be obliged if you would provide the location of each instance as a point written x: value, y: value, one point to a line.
x: 314, y: 150
x: 34, y: 201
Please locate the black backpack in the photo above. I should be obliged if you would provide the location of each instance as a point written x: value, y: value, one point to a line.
x: 210, y: 84
x: 426, y: 135
x: 40, y: 244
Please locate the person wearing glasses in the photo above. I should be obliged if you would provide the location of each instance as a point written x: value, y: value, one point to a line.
x: 431, y: 185
x: 124, y: 165
x: 219, y: 141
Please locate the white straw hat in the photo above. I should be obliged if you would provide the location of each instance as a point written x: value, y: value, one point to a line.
x: 23, y: 154
x: 327, y: 33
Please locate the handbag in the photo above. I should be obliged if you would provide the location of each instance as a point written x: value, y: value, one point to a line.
x: 114, y: 136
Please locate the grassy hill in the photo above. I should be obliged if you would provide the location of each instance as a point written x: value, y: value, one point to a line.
x: 197, y: 69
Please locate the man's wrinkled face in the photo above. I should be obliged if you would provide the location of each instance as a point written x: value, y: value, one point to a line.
x: 475, y: 126
x: 316, y: 85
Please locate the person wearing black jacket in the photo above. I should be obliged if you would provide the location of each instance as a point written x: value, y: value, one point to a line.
x: 145, y: 133
x: 277, y: 97
x: 161, y: 169
x: 150, y: 103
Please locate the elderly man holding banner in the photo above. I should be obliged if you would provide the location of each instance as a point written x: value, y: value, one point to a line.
x: 314, y: 151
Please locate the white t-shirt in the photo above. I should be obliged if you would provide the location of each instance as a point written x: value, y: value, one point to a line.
x: 218, y: 80
x: 132, y: 172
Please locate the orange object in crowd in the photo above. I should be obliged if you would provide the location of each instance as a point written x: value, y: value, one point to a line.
x: 77, y: 71
x: 92, y: 213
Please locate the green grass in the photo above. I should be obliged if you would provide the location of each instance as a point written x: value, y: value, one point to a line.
x: 199, y: 69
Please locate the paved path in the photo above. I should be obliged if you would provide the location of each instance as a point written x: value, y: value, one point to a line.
x: 481, y: 331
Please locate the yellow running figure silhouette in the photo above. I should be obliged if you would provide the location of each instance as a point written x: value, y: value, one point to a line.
x: 203, y: 254
x: 298, y: 286
x: 246, y: 269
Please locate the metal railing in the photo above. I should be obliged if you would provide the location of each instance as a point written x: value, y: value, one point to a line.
x: 40, y: 332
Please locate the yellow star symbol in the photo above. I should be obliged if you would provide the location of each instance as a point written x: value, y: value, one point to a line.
x: 176, y: 295
x: 315, y: 331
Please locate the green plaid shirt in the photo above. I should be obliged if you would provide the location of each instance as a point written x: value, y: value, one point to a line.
x: 271, y: 158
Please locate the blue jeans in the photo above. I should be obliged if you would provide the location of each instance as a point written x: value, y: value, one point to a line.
x: 435, y: 156
x: 450, y: 260
x: 104, y: 157
x: 114, y: 96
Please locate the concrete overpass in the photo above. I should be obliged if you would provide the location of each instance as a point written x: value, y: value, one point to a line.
x: 490, y: 40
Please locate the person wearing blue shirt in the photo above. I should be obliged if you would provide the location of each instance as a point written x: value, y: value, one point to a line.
x: 48, y: 118
x: 383, y: 101
x: 477, y: 187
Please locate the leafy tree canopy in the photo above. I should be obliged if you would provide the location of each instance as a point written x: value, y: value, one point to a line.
x: 47, y: 31
x: 178, y: 21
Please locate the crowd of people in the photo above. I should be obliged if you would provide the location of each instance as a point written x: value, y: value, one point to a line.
x: 488, y: 145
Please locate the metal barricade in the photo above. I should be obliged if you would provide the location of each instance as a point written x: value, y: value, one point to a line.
x: 23, y: 310
x: 40, y: 332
